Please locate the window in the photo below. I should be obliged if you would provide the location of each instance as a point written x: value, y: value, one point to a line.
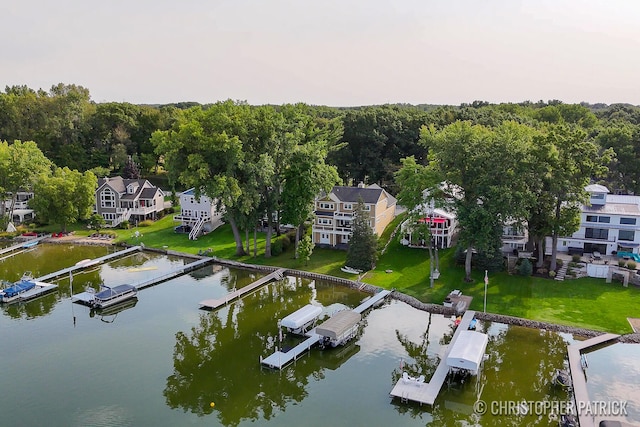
x: 595, y: 218
x: 367, y: 207
x: 325, y: 205
x: 108, y: 199
x: 347, y: 206
x: 597, y: 196
x: 627, y: 235
x: 596, y: 233
x: 629, y: 221
x: 324, y: 221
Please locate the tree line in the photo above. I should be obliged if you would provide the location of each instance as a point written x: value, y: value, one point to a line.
x: 267, y: 162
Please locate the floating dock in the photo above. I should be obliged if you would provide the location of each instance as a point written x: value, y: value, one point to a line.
x: 578, y: 376
x: 279, y: 359
x: 38, y: 290
x: 74, y: 268
x: 87, y: 297
x: 422, y: 392
x: 212, y: 304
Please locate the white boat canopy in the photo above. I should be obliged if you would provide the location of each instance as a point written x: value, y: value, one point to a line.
x: 300, y: 318
x: 339, y: 324
x: 468, y: 351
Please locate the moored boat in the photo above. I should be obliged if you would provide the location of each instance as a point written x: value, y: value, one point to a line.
x: 25, y: 289
x: 301, y: 320
x: 113, y: 295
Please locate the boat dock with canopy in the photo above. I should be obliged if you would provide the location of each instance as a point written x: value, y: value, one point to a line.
x: 301, y: 320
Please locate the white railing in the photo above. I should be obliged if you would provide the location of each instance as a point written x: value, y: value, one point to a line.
x: 197, y: 228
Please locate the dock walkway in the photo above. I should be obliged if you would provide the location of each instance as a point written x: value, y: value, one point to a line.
x: 370, y: 302
x: 578, y: 378
x: 279, y: 359
x: 10, y: 249
x: 428, y: 392
x: 96, y: 261
x: 86, y: 297
x: 212, y: 304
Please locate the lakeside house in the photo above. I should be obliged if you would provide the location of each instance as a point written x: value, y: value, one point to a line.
x: 198, y: 215
x: 334, y: 213
x: 442, y: 227
x: 21, y: 211
x: 610, y: 223
x: 133, y: 200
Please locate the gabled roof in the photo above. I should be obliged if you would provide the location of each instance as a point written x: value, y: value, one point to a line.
x: 119, y: 184
x: 371, y: 194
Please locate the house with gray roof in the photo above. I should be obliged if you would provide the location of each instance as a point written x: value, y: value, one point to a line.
x: 133, y: 200
x: 334, y: 213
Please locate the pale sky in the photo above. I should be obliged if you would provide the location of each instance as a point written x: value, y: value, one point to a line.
x: 326, y: 52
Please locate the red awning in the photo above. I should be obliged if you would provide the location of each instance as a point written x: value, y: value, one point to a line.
x: 433, y: 220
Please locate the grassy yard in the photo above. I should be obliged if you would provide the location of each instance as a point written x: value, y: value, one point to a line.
x: 588, y: 303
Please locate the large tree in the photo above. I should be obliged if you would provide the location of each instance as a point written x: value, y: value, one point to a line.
x: 65, y: 197
x: 363, y: 243
x: 22, y: 164
x: 484, y: 170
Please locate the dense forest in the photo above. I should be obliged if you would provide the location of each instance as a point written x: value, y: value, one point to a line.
x: 542, y: 151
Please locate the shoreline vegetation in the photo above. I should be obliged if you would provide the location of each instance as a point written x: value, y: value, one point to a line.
x: 585, y: 307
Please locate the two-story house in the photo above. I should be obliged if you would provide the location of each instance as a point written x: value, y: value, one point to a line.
x: 608, y: 223
x: 133, y: 200
x: 442, y: 226
x: 198, y: 215
x: 18, y: 208
x: 334, y: 213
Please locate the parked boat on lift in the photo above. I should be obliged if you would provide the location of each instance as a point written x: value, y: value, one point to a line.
x: 113, y: 295
x: 300, y: 321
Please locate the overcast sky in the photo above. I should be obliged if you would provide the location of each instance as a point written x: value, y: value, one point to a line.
x: 329, y: 52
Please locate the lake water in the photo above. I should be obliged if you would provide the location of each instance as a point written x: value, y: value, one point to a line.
x: 162, y: 361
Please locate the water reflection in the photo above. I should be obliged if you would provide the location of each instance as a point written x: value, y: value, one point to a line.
x: 217, y: 360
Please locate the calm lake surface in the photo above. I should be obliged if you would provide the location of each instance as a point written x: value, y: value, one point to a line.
x: 162, y: 361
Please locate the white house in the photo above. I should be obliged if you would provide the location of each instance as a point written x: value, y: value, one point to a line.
x: 442, y: 227
x: 609, y: 223
x: 198, y: 215
x: 21, y: 211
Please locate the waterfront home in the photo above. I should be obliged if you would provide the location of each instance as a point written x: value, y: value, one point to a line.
x: 198, y: 214
x: 133, y: 200
x: 334, y: 213
x: 608, y: 223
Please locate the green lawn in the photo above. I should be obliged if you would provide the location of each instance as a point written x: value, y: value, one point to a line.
x: 588, y: 303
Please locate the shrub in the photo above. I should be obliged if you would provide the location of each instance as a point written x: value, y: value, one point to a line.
x: 125, y: 225
x: 525, y: 268
x: 276, y: 247
x: 286, y: 241
x: 559, y: 262
x: 621, y: 263
x: 552, y: 274
x: 145, y: 223
x: 631, y: 265
x: 575, y: 258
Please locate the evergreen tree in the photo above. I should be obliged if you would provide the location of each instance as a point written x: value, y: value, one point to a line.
x: 362, y: 253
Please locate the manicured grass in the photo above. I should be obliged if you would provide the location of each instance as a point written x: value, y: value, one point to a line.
x: 588, y: 303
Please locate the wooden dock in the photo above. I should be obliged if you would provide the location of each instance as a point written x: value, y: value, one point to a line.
x: 428, y: 392
x: 370, y: 302
x: 279, y: 359
x: 212, y: 304
x: 87, y: 297
x: 74, y: 268
x: 578, y: 375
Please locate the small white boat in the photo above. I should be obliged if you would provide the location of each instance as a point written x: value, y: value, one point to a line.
x: 25, y: 289
x: 87, y: 262
x: 111, y: 296
x: 301, y: 320
x: 350, y: 270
